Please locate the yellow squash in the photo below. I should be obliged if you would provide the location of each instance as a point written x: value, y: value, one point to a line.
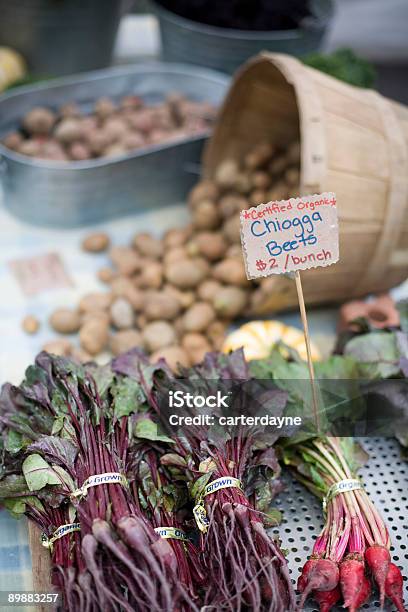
x: 258, y: 338
x: 12, y: 67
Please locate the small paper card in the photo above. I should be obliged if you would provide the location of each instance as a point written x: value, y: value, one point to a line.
x: 40, y: 273
x: 289, y: 235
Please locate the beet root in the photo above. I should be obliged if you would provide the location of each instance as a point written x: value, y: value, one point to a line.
x: 327, y: 599
x: 393, y: 587
x: 306, y: 570
x: 363, y: 594
x: 351, y: 579
x: 323, y: 576
x: 378, y: 560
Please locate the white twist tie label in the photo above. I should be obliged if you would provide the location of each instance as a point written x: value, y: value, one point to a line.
x: 62, y: 531
x: 172, y: 533
x: 343, y: 486
x: 100, y: 479
x: 199, y: 512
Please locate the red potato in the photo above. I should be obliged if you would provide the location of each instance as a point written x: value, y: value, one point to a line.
x: 393, y: 587
x: 378, y: 560
x: 352, y: 575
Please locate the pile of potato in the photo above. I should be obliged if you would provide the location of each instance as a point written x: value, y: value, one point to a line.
x: 112, y: 129
x: 175, y: 296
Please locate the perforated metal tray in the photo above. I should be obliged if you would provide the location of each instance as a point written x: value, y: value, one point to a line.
x: 386, y: 480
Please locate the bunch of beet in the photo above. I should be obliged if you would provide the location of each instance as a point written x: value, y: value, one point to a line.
x: 353, y: 550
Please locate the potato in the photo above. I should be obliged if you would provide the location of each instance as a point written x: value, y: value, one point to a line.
x: 115, y: 129
x: 133, y: 140
x: 232, y: 204
x: 157, y: 335
x: 53, y: 150
x: 126, y: 261
x: 120, y: 285
x: 231, y: 271
x: 230, y: 302
x: 243, y: 183
x: 106, y: 275
x: 174, y: 254
x: 258, y: 196
x: 278, y: 165
x: 216, y: 333
x: 96, y: 315
x: 211, y: 245
x: 97, y: 141
x: 80, y: 355
x: 206, y: 215
x: 65, y: 320
x: 135, y: 297
x: 148, y: 245
x: 175, y: 237
x: 234, y: 251
x: 114, y: 150
x: 184, y: 274
x: 293, y: 153
x: 30, y: 324
x: 196, y: 346
x: 141, y: 321
x: 227, y: 173
x: 142, y: 121
x: 96, y: 242
x: 95, y: 301
x: 31, y: 147
x: 151, y: 276
x: 104, y: 107
x: 185, y: 298
x: 93, y: 336
x: 198, y: 317
x: 79, y: 151
x: 60, y: 347
x: 173, y: 355
x: 278, y: 192
x: 39, y: 120
x: 68, y: 131
x: 71, y: 109
x: 208, y: 290
x: 259, y: 156
x: 131, y: 102
x: 121, y: 313
x: 260, y: 180
x: 124, y: 340
x: 292, y: 177
x: 204, y: 190
x: 232, y: 229
x: 161, y: 305
x: 13, y: 141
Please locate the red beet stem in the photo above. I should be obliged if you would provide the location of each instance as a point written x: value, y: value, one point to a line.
x: 393, y: 587
x: 327, y: 599
x: 324, y: 576
x: 378, y: 560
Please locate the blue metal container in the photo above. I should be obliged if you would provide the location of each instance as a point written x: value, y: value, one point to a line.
x: 71, y: 194
x: 226, y: 49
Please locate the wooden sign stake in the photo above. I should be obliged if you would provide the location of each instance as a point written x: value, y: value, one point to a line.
x: 308, y: 349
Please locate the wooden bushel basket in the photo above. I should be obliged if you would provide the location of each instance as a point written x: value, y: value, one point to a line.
x: 353, y: 142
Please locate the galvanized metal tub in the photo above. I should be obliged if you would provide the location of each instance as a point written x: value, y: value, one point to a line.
x: 226, y: 49
x: 63, y: 37
x: 60, y: 194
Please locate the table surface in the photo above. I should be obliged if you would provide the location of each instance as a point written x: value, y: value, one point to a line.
x: 18, y: 240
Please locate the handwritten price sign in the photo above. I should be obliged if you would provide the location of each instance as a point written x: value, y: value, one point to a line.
x: 290, y: 235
